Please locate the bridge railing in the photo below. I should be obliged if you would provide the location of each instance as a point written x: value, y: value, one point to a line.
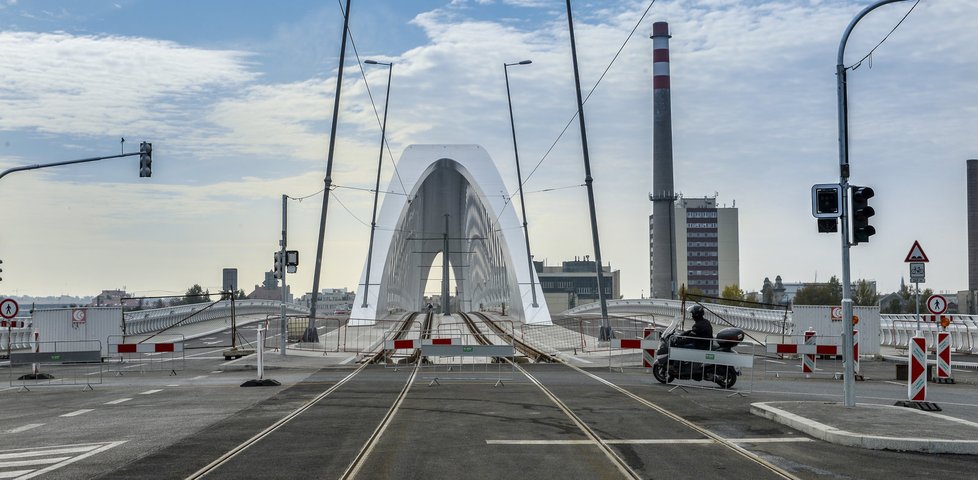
x: 15, y: 335
x: 154, y: 320
x: 898, y: 329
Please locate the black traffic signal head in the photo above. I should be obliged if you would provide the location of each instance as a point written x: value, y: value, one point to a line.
x: 277, y: 266
x: 827, y: 200
x: 861, y: 211
x: 145, y: 159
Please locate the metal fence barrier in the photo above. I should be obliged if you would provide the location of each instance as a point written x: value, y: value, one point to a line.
x: 61, y: 363
x: 683, y: 361
x: 162, y: 352
x: 791, y: 353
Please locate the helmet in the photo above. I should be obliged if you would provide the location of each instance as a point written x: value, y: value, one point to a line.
x: 696, y: 311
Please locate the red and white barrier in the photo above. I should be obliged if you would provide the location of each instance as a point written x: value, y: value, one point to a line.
x: 641, y: 343
x: 855, y: 353
x: 794, y: 348
x: 12, y: 324
x: 944, y: 357
x: 145, y: 347
x: 418, y: 343
x: 808, y: 361
x: 917, y: 379
x: 648, y: 354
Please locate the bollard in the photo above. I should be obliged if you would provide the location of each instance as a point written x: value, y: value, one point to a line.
x: 944, y: 358
x: 917, y: 378
x: 37, y: 349
x: 261, y: 353
x: 808, y: 360
x: 855, y: 354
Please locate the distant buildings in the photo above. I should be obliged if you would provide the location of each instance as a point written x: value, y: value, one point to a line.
x: 574, y: 283
x: 269, y: 289
x: 331, y: 300
x: 707, y: 246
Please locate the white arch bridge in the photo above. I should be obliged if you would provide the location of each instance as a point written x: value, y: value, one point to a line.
x: 456, y: 206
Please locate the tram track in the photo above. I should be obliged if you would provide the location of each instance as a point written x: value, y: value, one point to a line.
x: 580, y: 422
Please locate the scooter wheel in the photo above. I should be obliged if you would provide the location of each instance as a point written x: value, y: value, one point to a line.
x: 660, y: 372
x: 727, y: 380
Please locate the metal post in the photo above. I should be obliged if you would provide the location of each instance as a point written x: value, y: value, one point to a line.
x: 519, y: 178
x: 916, y: 301
x: 380, y: 162
x: 444, y: 273
x: 283, y: 329
x: 606, y: 332
x: 310, y: 334
x: 849, y: 384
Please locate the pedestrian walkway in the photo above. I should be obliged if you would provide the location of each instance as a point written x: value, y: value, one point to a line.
x: 877, y: 427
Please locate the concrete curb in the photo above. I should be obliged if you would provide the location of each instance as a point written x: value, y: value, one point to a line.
x: 874, y: 442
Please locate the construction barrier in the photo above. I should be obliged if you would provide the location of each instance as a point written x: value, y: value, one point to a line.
x: 61, y: 363
x: 724, y: 362
x: 648, y: 344
x: 944, y: 358
x: 163, y: 352
x: 808, y: 347
x: 917, y: 379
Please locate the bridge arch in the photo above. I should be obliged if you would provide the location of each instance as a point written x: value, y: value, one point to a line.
x: 484, y: 240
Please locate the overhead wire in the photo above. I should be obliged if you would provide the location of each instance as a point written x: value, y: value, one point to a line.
x: 593, y: 88
x: 373, y: 104
x: 870, y: 54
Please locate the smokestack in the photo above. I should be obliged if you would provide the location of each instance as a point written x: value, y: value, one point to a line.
x: 972, y: 180
x: 663, y: 197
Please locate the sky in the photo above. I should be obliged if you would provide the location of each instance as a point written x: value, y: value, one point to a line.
x: 236, y: 97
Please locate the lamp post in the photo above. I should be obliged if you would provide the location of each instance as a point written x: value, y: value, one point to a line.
x: 849, y: 376
x: 380, y: 162
x: 519, y: 177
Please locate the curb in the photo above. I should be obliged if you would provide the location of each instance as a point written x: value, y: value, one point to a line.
x: 873, y: 442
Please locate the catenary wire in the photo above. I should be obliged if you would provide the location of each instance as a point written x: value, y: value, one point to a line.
x: 870, y: 54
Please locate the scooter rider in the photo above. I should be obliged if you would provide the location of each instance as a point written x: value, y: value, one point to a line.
x: 701, y: 335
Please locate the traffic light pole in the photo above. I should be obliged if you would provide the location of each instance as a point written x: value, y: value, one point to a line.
x: 283, y: 328
x: 849, y: 383
x: 67, y: 162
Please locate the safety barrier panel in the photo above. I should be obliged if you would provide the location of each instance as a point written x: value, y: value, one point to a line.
x: 917, y: 378
x: 621, y: 357
x: 806, y: 347
x: 162, y: 352
x: 686, y: 362
x: 62, y: 363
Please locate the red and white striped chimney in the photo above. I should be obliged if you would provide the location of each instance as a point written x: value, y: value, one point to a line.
x: 663, y: 261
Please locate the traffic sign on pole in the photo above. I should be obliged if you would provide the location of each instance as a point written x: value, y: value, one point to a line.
x: 917, y: 272
x: 937, y: 304
x: 9, y: 308
x: 916, y: 254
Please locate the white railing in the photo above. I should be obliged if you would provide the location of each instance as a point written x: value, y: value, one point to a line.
x: 897, y: 330
x: 16, y: 338
x: 750, y: 319
x: 147, y: 321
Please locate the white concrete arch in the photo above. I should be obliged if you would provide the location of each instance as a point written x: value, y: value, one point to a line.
x: 486, y: 247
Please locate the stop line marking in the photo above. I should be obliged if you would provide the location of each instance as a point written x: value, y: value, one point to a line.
x: 651, y: 441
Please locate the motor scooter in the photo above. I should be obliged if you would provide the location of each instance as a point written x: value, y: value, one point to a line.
x: 666, y: 371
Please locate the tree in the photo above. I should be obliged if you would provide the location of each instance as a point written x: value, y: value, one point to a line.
x: 240, y: 294
x: 820, y: 293
x: 732, y: 295
x: 195, y: 294
x: 159, y: 303
x: 865, y: 295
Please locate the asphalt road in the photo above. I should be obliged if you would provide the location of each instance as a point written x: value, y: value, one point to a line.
x: 150, y: 424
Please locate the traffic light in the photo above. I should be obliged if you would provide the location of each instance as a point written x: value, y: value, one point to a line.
x: 145, y: 159
x: 861, y: 211
x: 277, y: 267
x: 827, y: 206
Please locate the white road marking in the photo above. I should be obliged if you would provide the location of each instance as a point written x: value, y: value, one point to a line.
x: 18, y: 457
x: 212, y: 343
x: 895, y: 383
x: 198, y: 377
x: 118, y: 401
x: 22, y: 428
x: 174, y: 385
x: 651, y: 441
x: 216, y: 371
x: 775, y: 361
x: 150, y: 392
x: 78, y: 412
x: 208, y: 338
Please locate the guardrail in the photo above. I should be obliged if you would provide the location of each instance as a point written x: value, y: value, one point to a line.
x: 751, y: 319
x: 147, y: 321
x: 15, y: 334
x: 895, y: 329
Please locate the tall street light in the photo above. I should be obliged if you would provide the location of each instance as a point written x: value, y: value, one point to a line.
x: 519, y: 177
x: 380, y: 162
x: 848, y: 384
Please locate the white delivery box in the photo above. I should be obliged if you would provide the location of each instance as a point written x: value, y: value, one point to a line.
x: 70, y: 326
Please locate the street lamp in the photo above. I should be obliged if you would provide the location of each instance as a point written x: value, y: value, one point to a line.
x: 380, y: 162
x: 848, y: 384
x: 519, y: 177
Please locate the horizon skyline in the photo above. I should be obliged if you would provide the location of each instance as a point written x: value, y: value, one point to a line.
x: 238, y: 113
